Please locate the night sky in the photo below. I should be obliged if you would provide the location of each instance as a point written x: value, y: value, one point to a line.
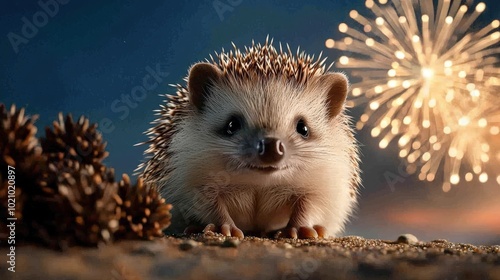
x: 88, y: 55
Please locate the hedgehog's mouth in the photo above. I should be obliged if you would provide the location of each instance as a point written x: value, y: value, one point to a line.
x: 264, y: 169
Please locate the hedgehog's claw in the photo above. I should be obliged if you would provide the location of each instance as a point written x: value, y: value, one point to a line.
x: 302, y: 232
x: 321, y: 231
x: 231, y: 230
x: 225, y: 229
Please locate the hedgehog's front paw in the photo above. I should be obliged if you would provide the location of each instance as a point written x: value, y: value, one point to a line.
x: 302, y: 232
x: 225, y: 229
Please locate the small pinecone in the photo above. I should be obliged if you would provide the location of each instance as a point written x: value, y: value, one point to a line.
x: 82, y: 211
x: 144, y: 213
x: 19, y: 148
x: 78, y: 141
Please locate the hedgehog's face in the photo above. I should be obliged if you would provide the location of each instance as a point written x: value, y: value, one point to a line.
x: 271, y: 128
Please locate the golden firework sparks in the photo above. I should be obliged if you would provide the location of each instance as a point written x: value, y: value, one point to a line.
x: 467, y: 151
x: 428, y: 82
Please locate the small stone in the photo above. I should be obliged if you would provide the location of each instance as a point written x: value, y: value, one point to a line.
x: 230, y: 243
x: 408, y: 238
x: 285, y: 246
x: 188, y: 245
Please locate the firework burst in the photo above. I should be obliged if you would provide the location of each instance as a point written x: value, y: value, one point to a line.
x: 428, y: 82
x: 467, y: 150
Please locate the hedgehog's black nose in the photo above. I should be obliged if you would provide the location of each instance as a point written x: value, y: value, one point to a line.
x: 270, y: 150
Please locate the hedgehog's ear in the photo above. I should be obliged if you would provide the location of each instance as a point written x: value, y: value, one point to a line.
x: 336, y: 85
x: 202, y: 77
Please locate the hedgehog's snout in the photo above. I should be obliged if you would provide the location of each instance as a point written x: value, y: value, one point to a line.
x: 270, y: 150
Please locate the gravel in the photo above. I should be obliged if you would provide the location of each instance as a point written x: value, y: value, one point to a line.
x: 207, y: 257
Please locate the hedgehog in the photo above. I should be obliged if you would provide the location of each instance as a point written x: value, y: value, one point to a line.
x: 257, y: 142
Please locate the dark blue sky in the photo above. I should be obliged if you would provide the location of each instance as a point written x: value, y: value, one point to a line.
x: 91, y: 53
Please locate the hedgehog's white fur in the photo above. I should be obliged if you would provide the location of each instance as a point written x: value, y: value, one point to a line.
x: 201, y: 171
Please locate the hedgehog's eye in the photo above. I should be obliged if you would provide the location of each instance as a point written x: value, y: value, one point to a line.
x: 302, y: 128
x: 232, y: 126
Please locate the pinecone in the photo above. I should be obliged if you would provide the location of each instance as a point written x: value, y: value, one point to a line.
x: 77, y: 190
x: 68, y: 196
x: 21, y: 163
x: 144, y: 213
x: 78, y: 141
x: 82, y: 211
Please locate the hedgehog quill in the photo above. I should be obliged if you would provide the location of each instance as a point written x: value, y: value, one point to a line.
x: 258, y: 142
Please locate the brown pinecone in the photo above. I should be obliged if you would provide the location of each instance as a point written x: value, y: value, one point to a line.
x: 83, y: 210
x: 78, y: 141
x: 77, y: 199
x: 144, y: 213
x: 68, y: 196
x: 20, y: 153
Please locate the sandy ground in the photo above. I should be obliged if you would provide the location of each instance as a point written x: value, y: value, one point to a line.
x: 217, y: 257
